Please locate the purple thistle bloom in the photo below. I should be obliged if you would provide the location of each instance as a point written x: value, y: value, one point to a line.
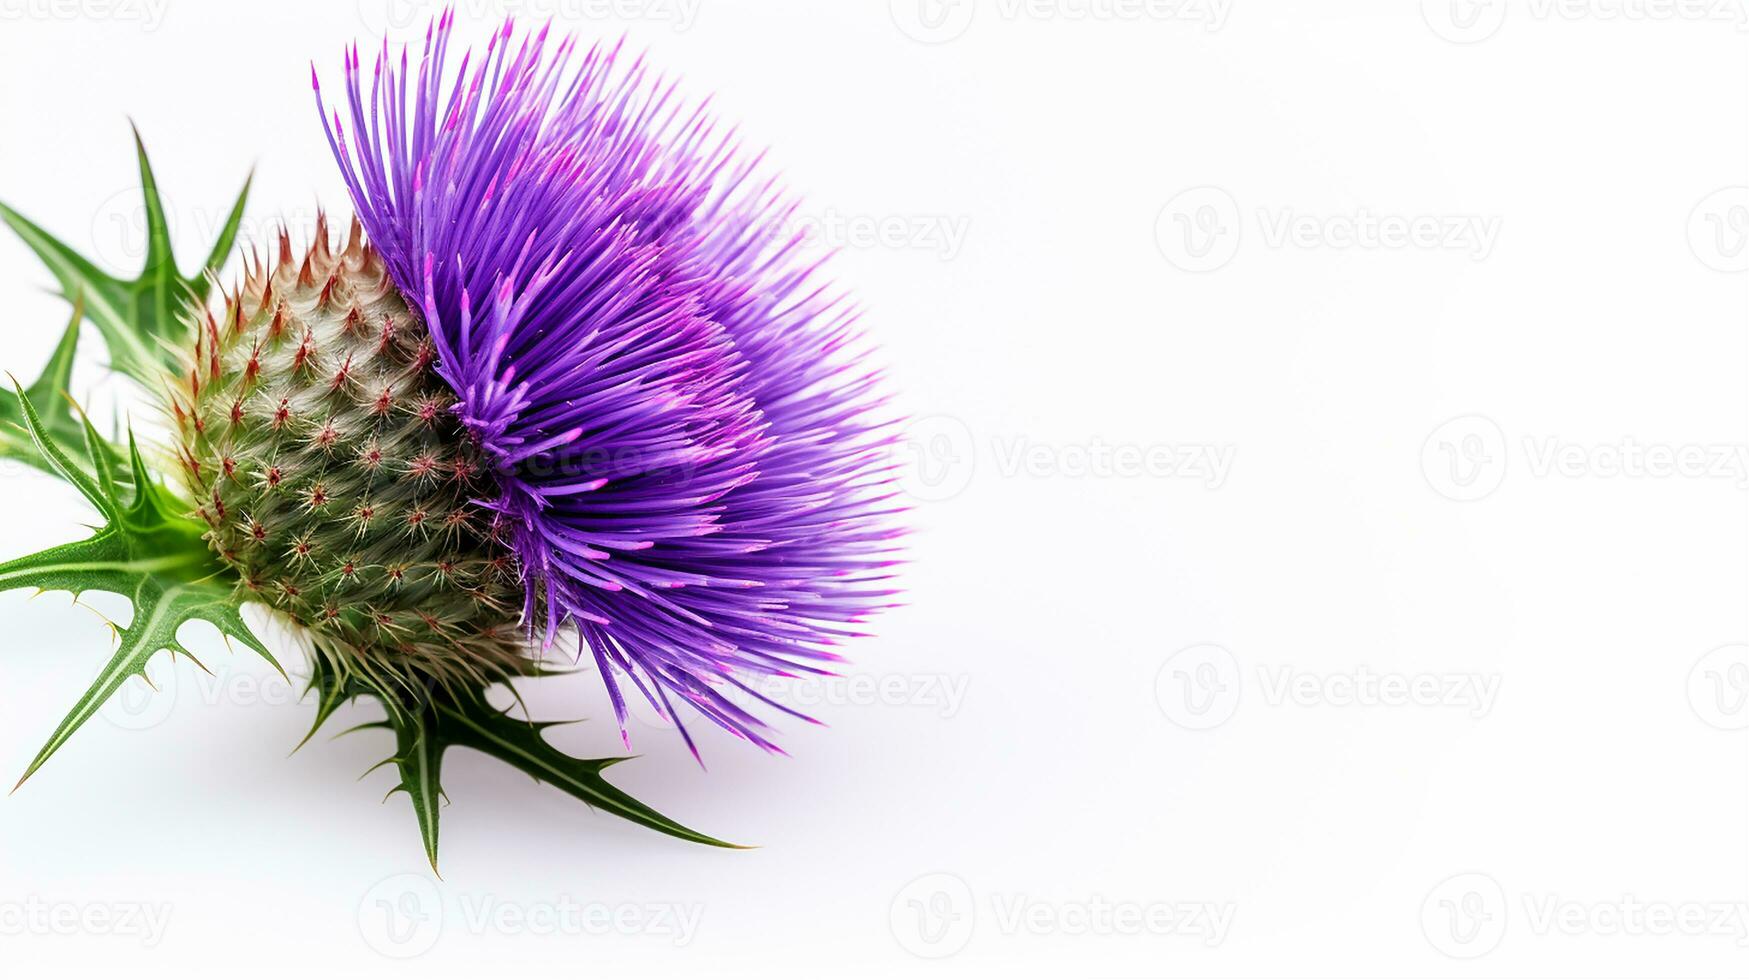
x: 687, y: 443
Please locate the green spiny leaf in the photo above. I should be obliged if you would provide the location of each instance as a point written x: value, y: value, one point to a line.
x: 478, y: 725
x: 62, y: 463
x: 59, y: 418
x: 424, y: 731
x: 57, y: 375
x: 146, y: 551
x: 329, y: 698
x: 419, y: 756
x: 143, y: 319
x: 334, y: 686
x: 158, y: 613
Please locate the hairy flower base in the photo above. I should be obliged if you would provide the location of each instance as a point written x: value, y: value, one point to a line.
x: 325, y: 459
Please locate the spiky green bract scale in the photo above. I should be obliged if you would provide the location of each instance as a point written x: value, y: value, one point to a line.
x: 477, y: 725
x: 426, y: 728
x: 56, y: 412
x: 146, y: 550
x: 319, y: 447
x: 419, y: 747
x: 142, y: 319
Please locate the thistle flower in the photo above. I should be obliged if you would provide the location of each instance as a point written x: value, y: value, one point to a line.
x: 566, y: 379
x: 689, y: 465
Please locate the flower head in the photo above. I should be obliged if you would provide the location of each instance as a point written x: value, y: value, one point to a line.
x: 688, y: 446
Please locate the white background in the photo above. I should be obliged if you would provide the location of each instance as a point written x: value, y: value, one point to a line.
x: 1104, y: 246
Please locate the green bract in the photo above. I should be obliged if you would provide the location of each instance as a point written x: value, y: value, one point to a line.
x: 143, y: 320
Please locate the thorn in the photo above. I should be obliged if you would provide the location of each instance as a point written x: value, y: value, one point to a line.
x: 386, y: 336
x: 341, y: 375
x: 361, y: 728
x: 309, y: 735
x: 326, y: 299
